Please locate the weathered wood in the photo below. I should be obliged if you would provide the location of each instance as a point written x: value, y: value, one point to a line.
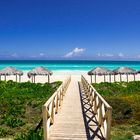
x: 91, y: 78
x: 95, y: 78
x: 48, y: 78
x: 51, y: 107
x: 16, y: 77
x: 19, y: 78
x: 120, y: 77
x: 127, y: 77
x: 101, y: 108
x: 109, y: 117
x: 134, y: 77
x: 114, y: 78
x: 110, y: 78
x: 45, y: 121
x: 70, y: 122
x: 104, y: 78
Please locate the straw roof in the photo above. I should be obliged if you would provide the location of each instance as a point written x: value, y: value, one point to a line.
x: 10, y: 71
x: 99, y: 71
x: 138, y: 71
x: 124, y: 70
x: 19, y: 72
x: 39, y: 71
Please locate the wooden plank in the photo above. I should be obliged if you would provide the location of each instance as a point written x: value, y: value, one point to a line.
x: 69, y: 122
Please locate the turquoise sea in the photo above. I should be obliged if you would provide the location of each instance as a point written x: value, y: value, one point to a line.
x: 83, y: 65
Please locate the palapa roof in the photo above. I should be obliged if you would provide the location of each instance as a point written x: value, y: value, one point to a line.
x: 99, y: 71
x: 138, y: 71
x: 10, y: 71
x: 124, y: 70
x: 39, y: 71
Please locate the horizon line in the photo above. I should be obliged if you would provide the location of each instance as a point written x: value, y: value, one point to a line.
x: 67, y: 60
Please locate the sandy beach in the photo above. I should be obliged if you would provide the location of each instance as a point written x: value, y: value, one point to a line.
x: 76, y: 74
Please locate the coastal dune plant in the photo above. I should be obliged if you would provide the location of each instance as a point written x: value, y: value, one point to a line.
x: 125, y: 100
x: 21, y: 108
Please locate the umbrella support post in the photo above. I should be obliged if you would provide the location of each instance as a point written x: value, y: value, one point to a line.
x: 127, y: 78
x: 48, y: 78
x: 91, y: 79
x: 34, y: 78
x: 134, y: 77
x: 95, y: 78
x: 104, y: 78
x: 16, y: 77
x: 19, y: 79
x: 114, y: 78
x: 110, y: 78
x: 120, y: 78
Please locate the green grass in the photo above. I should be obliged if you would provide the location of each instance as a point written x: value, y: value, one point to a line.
x: 125, y: 131
x: 125, y: 100
x: 20, y: 108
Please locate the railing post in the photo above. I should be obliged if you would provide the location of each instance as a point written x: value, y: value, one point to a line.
x: 61, y: 93
x: 59, y: 98
x: 95, y: 104
x: 57, y: 104
x: 45, y: 123
x: 109, y: 117
x: 102, y: 110
x: 100, y: 113
x: 50, y: 108
x: 52, y: 112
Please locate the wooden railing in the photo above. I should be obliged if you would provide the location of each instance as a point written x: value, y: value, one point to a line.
x: 100, y: 107
x: 51, y: 107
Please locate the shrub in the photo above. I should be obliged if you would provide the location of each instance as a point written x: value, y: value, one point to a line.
x: 125, y: 100
x: 21, y: 106
x: 121, y: 109
x: 3, y: 132
x: 31, y: 135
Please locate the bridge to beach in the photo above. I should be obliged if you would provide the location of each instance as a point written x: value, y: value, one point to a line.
x: 76, y: 111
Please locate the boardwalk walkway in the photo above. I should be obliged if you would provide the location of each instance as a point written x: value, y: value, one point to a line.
x: 75, y: 120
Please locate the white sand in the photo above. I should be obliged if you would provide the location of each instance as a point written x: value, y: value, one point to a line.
x: 62, y: 75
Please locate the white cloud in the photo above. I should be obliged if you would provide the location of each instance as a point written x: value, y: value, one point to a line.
x: 138, y: 56
x: 121, y: 55
x: 75, y: 52
x: 99, y: 54
x: 33, y: 56
x: 41, y: 54
x: 14, y: 55
x: 109, y: 55
x: 105, y: 55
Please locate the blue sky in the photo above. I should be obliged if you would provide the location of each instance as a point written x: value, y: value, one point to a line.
x: 70, y: 29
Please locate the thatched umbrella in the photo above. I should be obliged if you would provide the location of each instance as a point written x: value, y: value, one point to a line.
x: 39, y: 71
x: 138, y: 72
x: 0, y: 75
x: 11, y: 71
x: 19, y: 73
x: 110, y: 73
x: 125, y: 70
x: 98, y: 71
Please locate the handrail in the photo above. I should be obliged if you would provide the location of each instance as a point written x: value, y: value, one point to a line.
x: 100, y: 107
x: 51, y: 107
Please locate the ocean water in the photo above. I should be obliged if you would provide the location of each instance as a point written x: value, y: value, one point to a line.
x: 82, y: 65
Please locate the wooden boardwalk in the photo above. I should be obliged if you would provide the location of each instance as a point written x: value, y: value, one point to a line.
x: 75, y: 120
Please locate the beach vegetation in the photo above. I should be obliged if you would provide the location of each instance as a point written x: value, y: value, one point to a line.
x: 20, y: 108
x: 125, y: 100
